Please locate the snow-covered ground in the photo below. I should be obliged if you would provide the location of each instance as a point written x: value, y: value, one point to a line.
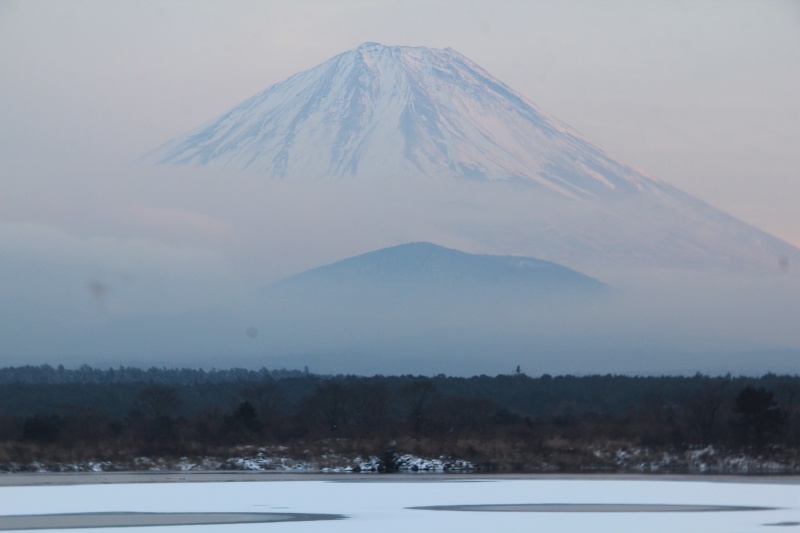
x: 383, y: 505
x: 706, y: 460
x: 265, y: 459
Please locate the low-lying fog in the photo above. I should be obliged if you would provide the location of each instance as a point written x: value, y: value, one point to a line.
x: 169, y: 267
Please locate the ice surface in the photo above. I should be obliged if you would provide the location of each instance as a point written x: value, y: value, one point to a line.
x: 382, y: 505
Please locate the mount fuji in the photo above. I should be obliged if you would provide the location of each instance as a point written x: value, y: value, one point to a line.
x: 397, y: 115
x: 392, y: 112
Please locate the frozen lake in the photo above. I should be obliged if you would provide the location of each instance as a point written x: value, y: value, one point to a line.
x: 389, y: 504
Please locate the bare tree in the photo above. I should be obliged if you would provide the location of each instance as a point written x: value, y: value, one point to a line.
x: 419, y: 398
x: 704, y: 404
x: 370, y: 406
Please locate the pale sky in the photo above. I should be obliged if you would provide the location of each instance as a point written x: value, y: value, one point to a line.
x: 702, y: 95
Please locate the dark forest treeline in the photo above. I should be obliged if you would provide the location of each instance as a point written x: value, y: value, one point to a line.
x: 46, y: 374
x: 508, y: 421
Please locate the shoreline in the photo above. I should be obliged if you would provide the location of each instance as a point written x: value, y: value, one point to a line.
x: 31, y: 479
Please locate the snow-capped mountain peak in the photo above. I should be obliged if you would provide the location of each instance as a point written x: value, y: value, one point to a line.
x: 384, y: 112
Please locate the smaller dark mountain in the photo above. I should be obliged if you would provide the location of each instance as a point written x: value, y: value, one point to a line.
x: 427, y: 266
x: 422, y: 306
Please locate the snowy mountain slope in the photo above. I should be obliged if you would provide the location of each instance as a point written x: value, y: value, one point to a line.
x: 381, y: 111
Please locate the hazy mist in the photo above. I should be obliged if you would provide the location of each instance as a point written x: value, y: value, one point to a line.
x: 107, y: 261
x: 186, y: 285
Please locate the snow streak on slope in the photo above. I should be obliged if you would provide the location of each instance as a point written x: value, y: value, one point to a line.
x: 387, y: 112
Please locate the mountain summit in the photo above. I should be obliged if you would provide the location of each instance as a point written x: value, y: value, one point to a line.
x: 392, y: 111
